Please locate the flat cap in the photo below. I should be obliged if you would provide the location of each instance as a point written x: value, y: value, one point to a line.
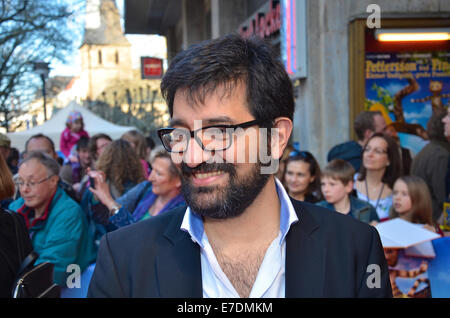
x: 5, y: 141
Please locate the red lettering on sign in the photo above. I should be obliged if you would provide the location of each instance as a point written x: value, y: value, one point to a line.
x: 264, y: 24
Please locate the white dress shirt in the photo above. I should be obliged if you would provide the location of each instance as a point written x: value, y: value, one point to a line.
x: 270, y: 281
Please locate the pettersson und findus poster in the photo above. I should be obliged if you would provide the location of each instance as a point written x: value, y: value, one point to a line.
x: 407, y: 88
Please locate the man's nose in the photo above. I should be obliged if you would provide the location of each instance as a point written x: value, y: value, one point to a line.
x: 195, y: 155
x: 25, y: 188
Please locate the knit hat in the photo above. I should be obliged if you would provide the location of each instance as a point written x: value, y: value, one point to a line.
x: 5, y: 141
x: 73, y: 115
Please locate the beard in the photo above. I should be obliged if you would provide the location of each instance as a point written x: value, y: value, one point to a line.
x: 222, y: 202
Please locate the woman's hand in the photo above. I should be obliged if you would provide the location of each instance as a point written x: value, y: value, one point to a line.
x: 100, y: 189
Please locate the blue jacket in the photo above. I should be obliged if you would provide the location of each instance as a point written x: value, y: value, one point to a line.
x: 61, y: 235
x: 359, y: 209
x: 136, y: 202
x: 97, y: 214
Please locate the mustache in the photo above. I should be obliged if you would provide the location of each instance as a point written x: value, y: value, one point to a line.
x: 207, y: 167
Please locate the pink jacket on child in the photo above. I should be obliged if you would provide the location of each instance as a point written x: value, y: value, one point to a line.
x: 69, y: 139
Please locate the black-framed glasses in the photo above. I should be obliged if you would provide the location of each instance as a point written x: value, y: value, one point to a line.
x: 31, y: 184
x: 210, y: 138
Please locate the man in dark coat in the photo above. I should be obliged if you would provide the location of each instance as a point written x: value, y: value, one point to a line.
x: 432, y: 161
x: 241, y: 235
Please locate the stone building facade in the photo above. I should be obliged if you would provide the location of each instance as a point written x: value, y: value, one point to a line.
x: 330, y: 96
x: 105, y: 53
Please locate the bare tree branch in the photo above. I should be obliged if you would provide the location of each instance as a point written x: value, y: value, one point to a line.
x: 30, y: 30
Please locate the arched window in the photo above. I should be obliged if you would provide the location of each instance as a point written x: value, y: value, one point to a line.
x: 117, y: 57
x: 99, y: 56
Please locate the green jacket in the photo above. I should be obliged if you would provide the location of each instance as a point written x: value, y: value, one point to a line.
x: 60, y: 236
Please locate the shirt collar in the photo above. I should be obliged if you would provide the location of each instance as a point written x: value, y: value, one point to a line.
x: 193, y: 223
x: 288, y: 216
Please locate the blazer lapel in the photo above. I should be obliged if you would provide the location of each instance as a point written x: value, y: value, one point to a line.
x: 178, y: 267
x: 305, y: 257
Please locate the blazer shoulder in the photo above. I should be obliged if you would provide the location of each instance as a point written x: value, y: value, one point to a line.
x: 149, y: 230
x: 331, y: 221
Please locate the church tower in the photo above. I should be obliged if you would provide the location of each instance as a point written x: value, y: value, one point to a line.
x: 105, y: 52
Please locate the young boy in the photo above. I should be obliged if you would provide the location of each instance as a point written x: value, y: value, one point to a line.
x: 337, y: 185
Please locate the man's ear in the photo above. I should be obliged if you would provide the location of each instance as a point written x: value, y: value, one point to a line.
x: 54, y: 180
x: 280, y: 134
x: 367, y: 134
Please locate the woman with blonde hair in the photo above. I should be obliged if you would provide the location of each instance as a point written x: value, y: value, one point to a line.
x: 160, y: 193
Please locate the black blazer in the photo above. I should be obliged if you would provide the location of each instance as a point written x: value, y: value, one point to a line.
x: 327, y: 255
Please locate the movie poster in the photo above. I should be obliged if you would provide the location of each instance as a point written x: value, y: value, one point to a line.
x: 407, y: 88
x: 408, y: 275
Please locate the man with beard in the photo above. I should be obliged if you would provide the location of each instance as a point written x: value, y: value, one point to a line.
x: 241, y: 235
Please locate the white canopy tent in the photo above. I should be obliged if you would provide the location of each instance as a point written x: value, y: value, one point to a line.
x: 53, y: 128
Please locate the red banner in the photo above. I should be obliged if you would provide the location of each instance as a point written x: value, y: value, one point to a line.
x: 151, y: 67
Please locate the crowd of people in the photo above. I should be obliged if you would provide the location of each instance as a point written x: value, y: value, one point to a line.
x: 68, y: 204
x: 105, y: 184
x: 370, y: 169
